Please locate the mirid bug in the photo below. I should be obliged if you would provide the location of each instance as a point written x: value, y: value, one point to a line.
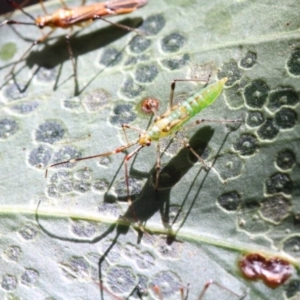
x: 165, y: 125
x: 67, y: 18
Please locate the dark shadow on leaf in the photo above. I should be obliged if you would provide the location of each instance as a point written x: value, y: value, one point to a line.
x: 196, y: 196
x: 67, y: 239
x: 150, y: 200
x: 52, y: 55
x: 55, y: 54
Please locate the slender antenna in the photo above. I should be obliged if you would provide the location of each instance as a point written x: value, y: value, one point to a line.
x: 16, y: 6
x: 12, y: 22
x: 118, y: 150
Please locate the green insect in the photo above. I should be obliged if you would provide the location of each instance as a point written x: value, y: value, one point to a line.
x: 165, y: 125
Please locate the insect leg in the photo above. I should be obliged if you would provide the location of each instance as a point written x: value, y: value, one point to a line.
x: 64, y: 5
x: 210, y: 282
x: 173, y: 86
x: 24, y: 3
x: 20, y: 7
x: 129, y: 200
x: 128, y: 28
x: 197, y: 122
x: 40, y: 40
x: 158, y: 165
x: 157, y: 290
x: 71, y: 56
x: 186, y: 296
x: 43, y: 7
x: 217, y: 121
x: 132, y: 127
x: 188, y: 146
x: 124, y: 126
x: 127, y: 158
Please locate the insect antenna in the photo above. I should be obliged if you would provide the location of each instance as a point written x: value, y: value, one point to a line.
x: 19, y: 7
x: 13, y: 22
x: 118, y: 150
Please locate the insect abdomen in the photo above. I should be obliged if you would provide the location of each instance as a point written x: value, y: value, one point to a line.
x: 205, y: 97
x: 172, y: 120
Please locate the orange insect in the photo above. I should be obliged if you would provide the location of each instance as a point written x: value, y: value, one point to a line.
x: 68, y: 17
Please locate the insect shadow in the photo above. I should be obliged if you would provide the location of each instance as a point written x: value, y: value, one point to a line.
x: 150, y: 200
x: 55, y: 54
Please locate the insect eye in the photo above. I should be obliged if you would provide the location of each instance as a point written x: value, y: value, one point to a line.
x: 148, y: 143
